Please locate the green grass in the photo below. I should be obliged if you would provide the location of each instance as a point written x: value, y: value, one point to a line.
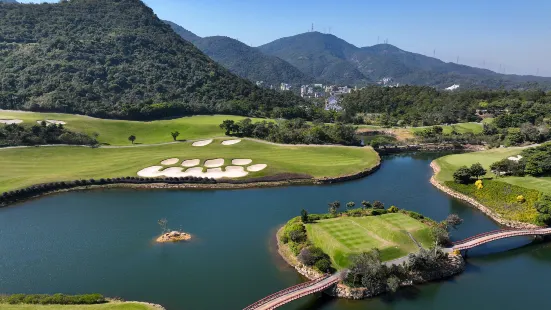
x: 343, y: 236
x: 449, y: 164
x: 107, y: 306
x: 461, y: 128
x: 26, y: 166
x: 116, y: 132
x: 541, y: 184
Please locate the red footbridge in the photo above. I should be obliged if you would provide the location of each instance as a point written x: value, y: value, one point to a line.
x: 481, y: 239
x: 318, y: 285
x: 295, y: 292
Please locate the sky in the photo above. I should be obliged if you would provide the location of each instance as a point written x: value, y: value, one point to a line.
x: 512, y: 35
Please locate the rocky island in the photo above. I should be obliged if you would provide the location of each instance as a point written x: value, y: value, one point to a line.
x: 173, y: 236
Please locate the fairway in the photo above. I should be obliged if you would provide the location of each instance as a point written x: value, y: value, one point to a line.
x: 106, y: 306
x: 449, y: 164
x: 542, y: 184
x: 343, y: 236
x: 116, y: 132
x: 22, y: 167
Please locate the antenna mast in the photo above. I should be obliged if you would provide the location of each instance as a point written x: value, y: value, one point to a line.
x: 312, y: 27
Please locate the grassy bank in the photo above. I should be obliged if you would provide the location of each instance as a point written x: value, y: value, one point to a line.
x: 343, y: 236
x: 28, y: 166
x: 106, y: 306
x: 116, y: 132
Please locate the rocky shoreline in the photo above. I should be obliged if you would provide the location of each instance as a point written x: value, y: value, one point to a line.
x: 493, y: 215
x: 453, y: 266
x: 173, y: 236
x: 201, y: 186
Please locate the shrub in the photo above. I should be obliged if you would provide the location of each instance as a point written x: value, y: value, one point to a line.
x: 415, y: 215
x: 56, y: 299
x: 521, y: 199
x: 376, y: 212
x: 323, y: 265
x: 393, y: 209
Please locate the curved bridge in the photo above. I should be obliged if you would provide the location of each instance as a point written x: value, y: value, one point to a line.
x: 480, y: 239
x: 294, y: 292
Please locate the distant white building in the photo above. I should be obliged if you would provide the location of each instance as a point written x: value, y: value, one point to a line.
x: 285, y: 86
x: 332, y: 104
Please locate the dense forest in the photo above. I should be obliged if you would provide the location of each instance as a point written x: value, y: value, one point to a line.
x: 425, y: 106
x: 115, y: 58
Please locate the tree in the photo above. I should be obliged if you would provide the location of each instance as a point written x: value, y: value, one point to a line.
x: 453, y: 220
x: 174, y: 135
x: 304, y: 216
x: 132, y: 138
x: 228, y: 125
x: 350, y: 205
x: 477, y: 170
x: 163, y: 223
x: 462, y: 175
x: 440, y: 235
x: 378, y: 205
x: 366, y: 204
x: 334, y: 207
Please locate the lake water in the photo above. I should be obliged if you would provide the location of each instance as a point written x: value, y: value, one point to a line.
x: 102, y: 241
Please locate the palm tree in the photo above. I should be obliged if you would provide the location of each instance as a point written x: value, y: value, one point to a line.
x: 350, y: 205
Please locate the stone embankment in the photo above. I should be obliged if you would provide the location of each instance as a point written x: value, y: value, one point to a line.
x: 428, y: 147
x: 496, y: 217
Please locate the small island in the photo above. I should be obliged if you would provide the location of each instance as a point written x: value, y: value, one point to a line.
x: 169, y: 235
x: 373, y: 250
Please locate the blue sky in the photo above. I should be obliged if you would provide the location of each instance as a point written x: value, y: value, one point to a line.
x: 513, y: 33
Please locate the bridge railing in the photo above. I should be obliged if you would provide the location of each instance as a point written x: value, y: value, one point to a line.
x: 513, y: 233
x: 302, y: 294
x: 284, y: 292
x: 493, y: 232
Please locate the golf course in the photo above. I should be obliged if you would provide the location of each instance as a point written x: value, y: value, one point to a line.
x: 107, y: 306
x: 23, y: 167
x: 392, y: 234
x: 116, y: 132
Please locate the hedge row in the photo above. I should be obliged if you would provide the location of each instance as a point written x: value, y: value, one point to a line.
x: 280, y: 177
x: 56, y: 299
x: 34, y: 190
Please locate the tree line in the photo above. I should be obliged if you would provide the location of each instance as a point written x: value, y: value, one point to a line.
x: 40, y: 134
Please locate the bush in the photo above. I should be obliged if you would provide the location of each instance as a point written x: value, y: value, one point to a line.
x: 56, y: 299
x: 324, y: 265
x: 462, y: 175
x: 376, y: 212
x: 393, y: 209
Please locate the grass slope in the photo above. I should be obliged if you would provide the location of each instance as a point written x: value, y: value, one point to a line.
x: 343, y: 236
x: 116, y: 132
x: 107, y: 306
x: 26, y: 166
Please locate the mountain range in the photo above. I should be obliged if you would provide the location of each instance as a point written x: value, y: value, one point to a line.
x: 116, y: 59
x: 328, y: 59
x: 246, y: 61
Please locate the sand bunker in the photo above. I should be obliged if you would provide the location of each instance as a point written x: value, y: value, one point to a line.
x: 241, y: 162
x: 230, y: 142
x: 202, y: 143
x: 219, y: 162
x: 177, y: 172
x: 191, y: 162
x: 52, y: 122
x: 258, y: 167
x: 10, y: 121
x: 170, y: 161
x: 515, y: 158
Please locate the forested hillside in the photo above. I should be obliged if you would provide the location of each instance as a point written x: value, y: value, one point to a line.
x: 423, y: 105
x: 246, y: 61
x: 330, y: 58
x: 115, y: 58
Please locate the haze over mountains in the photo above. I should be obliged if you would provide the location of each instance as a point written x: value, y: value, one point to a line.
x: 329, y: 59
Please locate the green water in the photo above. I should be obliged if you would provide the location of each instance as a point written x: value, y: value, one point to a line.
x: 102, y: 241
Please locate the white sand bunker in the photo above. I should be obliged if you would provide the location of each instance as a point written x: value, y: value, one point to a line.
x: 52, y: 122
x: 170, y: 161
x: 515, y: 158
x: 202, y: 143
x: 211, y: 163
x: 230, y: 142
x: 10, y: 121
x: 151, y: 172
x: 258, y: 167
x: 241, y: 162
x: 191, y: 162
x: 177, y: 172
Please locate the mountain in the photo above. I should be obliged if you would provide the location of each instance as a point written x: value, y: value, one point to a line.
x: 8, y: 1
x: 117, y: 59
x: 328, y: 57
x: 243, y: 60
